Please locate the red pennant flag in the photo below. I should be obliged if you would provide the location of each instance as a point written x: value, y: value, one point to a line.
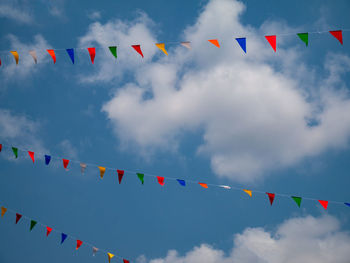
x: 79, y: 243
x: 138, y: 49
x: 126, y: 261
x: 160, y: 180
x: 272, y: 41
x: 65, y: 163
x: 92, y: 52
x: 31, y: 154
x: 120, y: 175
x: 271, y: 197
x: 0, y: 147
x: 48, y: 230
x: 324, y: 204
x: 18, y: 217
x: 203, y: 185
x: 52, y: 54
x: 338, y: 35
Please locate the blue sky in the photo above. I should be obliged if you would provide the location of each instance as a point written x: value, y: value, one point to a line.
x: 275, y: 122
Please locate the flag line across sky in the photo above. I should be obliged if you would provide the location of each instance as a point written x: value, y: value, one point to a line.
x: 242, y: 42
x: 161, y: 179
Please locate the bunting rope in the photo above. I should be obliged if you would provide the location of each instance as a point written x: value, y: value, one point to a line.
x: 64, y: 236
x: 161, y: 179
x: 271, y: 39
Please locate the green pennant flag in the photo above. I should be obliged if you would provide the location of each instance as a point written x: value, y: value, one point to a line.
x: 15, y: 151
x: 32, y: 224
x: 141, y: 176
x: 113, y: 50
x: 304, y: 37
x: 297, y: 200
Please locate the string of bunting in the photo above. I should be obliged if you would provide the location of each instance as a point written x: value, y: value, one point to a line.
x: 161, y: 179
x: 241, y: 41
x: 33, y: 223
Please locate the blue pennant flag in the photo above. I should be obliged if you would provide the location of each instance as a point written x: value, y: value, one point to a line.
x: 242, y: 42
x: 181, y: 182
x: 47, y: 159
x: 348, y: 204
x: 70, y: 52
x: 63, y: 237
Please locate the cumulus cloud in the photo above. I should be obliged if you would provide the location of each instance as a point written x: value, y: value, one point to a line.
x: 305, y: 239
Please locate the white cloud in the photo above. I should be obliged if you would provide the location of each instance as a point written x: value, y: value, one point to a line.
x: 304, y: 239
x: 68, y: 149
x: 15, y: 11
x: 94, y: 15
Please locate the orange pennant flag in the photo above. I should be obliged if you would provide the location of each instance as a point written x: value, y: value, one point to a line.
x: 249, y: 192
x: 161, y: 46
x: 215, y: 42
x: 102, y: 171
x: 15, y: 55
x: 3, y: 211
x: 110, y: 256
x: 203, y: 185
x: 52, y: 54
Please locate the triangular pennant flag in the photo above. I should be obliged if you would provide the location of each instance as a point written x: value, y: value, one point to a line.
x: 52, y: 54
x: 242, y: 43
x: 203, y: 185
x: 47, y: 159
x: 225, y: 186
x: 94, y: 250
x: 33, y: 54
x: 348, y: 204
x: 31, y: 154
x: 110, y: 256
x: 120, y: 175
x: 102, y: 171
x: 0, y: 62
x: 92, y: 52
x: 324, y: 203
x: 186, y: 44
x: 215, y: 42
x: 32, y: 224
x: 160, y: 180
x: 272, y: 41
x: 79, y: 243
x: 161, y: 46
x: 63, y: 237
x: 138, y: 49
x: 304, y: 37
x: 82, y: 167
x: 18, y: 217
x: 70, y: 52
x: 0, y: 147
x: 113, y: 50
x: 249, y: 192
x: 271, y: 197
x: 15, y: 151
x: 48, y: 231
x: 3, y: 211
x: 338, y: 35
x: 141, y: 176
x: 15, y: 55
x: 181, y: 182
x: 65, y: 163
x: 126, y: 261
x: 297, y: 199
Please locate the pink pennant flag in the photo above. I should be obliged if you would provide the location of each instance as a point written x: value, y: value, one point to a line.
x: 272, y: 41
x: 31, y: 154
x: 186, y: 44
x: 338, y: 35
x: 160, y: 180
x: 138, y: 49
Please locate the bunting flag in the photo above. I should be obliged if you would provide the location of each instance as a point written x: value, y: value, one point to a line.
x: 215, y: 42
x: 186, y: 44
x: 161, y: 46
x: 160, y: 180
x: 225, y: 186
x: 120, y: 175
x: 110, y: 256
x: 348, y: 204
x: 272, y: 41
x: 249, y: 192
x: 15, y: 151
x: 297, y: 200
x: 0, y: 147
x: 3, y: 211
x: 82, y: 167
x: 70, y: 52
x: 18, y: 217
x: 31, y: 154
x: 338, y: 35
x: 181, y: 182
x: 48, y: 230
x: 79, y: 243
x: 323, y: 203
x: 15, y: 55
x: 102, y: 171
x: 33, y: 54
x: 52, y: 54
x: 47, y: 159
x: 94, y: 250
x: 271, y: 197
x: 65, y: 163
x: 32, y: 224
x: 126, y: 261
x: 203, y: 185
x: 138, y: 49
x: 0, y: 61
x: 113, y: 50
x: 242, y: 43
x: 92, y: 52
x: 141, y: 176
x: 304, y: 37
x: 63, y: 237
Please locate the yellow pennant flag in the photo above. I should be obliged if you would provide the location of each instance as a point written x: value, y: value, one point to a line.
x: 161, y: 46
x: 110, y: 255
x: 249, y: 192
x: 102, y: 171
x: 3, y: 211
x: 15, y: 55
